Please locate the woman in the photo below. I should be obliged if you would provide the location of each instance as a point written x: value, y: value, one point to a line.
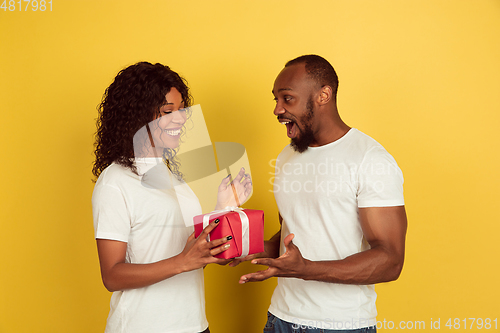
x: 148, y: 254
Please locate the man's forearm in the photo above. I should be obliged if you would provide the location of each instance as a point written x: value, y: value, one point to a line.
x: 384, y: 229
x: 371, y: 266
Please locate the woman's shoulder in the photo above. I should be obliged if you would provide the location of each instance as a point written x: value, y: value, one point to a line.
x: 115, y: 175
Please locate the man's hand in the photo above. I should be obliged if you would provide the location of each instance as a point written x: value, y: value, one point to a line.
x: 234, y: 193
x: 271, y: 250
x: 237, y: 261
x: 290, y: 264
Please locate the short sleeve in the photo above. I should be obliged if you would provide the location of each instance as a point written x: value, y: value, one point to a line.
x: 110, y: 213
x: 380, y: 180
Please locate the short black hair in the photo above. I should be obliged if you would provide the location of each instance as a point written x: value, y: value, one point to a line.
x: 319, y: 69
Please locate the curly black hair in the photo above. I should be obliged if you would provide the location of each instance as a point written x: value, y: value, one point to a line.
x: 128, y: 104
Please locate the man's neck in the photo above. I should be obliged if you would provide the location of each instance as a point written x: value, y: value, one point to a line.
x: 332, y: 128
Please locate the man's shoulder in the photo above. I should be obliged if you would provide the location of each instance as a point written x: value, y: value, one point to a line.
x: 373, y: 155
x: 363, y: 140
x: 364, y: 144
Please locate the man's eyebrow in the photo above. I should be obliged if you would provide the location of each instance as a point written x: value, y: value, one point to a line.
x: 281, y: 89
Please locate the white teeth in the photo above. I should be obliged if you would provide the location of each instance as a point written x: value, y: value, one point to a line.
x: 284, y: 122
x: 173, y: 133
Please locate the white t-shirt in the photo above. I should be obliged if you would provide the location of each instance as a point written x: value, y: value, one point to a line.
x: 318, y: 194
x: 145, y: 212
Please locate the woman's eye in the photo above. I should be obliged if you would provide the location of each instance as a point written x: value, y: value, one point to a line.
x: 287, y: 98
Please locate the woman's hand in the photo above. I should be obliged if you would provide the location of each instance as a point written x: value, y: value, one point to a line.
x: 199, y: 252
x: 234, y: 193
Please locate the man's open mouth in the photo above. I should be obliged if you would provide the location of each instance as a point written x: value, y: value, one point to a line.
x: 291, y: 127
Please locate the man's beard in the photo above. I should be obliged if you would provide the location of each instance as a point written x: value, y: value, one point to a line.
x: 302, y: 141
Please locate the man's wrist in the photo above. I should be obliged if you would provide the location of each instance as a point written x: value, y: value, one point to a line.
x: 272, y: 249
x: 306, y: 270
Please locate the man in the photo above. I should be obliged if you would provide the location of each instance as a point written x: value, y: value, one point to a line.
x: 342, y: 215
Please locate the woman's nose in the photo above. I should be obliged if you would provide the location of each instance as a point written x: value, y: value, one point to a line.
x: 179, y: 116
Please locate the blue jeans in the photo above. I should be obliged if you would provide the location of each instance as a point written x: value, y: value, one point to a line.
x: 276, y: 325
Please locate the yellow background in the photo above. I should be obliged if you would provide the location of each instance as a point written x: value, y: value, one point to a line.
x: 421, y: 77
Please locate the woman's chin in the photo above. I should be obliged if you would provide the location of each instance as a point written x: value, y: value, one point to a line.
x: 173, y: 143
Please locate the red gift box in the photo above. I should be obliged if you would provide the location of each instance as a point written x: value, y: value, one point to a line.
x: 245, y: 225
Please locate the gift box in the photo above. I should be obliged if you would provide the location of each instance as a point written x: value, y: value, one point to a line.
x: 246, y: 226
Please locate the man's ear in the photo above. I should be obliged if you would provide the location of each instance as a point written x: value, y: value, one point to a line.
x: 325, y: 95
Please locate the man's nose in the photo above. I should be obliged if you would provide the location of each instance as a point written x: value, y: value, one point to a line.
x: 278, y: 109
